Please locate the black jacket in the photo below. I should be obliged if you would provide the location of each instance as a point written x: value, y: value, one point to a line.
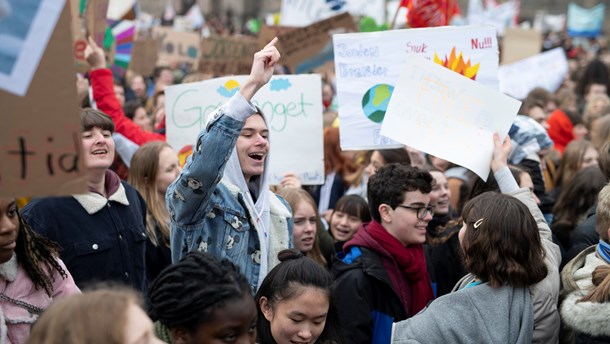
x: 365, y: 297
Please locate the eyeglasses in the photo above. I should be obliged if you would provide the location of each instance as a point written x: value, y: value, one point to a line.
x: 421, y: 212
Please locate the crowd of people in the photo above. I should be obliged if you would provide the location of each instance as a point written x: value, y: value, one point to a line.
x: 195, y: 246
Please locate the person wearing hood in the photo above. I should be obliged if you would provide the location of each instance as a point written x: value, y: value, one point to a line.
x: 586, y: 284
x: 381, y: 274
x: 221, y: 202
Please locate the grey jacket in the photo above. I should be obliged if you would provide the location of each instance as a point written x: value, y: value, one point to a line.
x: 479, y: 314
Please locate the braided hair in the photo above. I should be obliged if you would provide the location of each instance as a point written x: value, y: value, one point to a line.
x: 34, y: 253
x: 185, y: 294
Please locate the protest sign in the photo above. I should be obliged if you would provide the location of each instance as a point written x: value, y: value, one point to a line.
x: 292, y: 105
x: 40, y: 145
x: 24, y: 33
x: 120, y: 9
x: 79, y: 38
x: 177, y: 47
x: 447, y: 115
x: 144, y: 56
x: 305, y: 49
x: 95, y: 17
x: 306, y: 12
x: 268, y: 32
x: 500, y: 16
x: 547, y: 70
x: 549, y: 22
x: 368, y: 65
x: 227, y: 55
x: 518, y: 44
x: 585, y: 22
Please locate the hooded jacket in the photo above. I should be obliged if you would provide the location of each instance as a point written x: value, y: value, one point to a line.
x: 587, y: 320
x: 213, y: 209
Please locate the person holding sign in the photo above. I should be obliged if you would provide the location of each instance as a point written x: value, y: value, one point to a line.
x: 221, y: 202
x: 381, y: 274
x: 510, y: 294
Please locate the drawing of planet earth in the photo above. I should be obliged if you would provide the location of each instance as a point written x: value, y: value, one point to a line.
x: 375, y: 102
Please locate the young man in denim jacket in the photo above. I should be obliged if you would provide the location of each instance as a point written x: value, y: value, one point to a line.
x: 221, y: 203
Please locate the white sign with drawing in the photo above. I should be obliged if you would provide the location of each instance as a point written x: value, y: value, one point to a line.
x: 25, y: 29
x: 292, y: 105
x: 547, y: 70
x: 368, y: 66
x: 447, y: 115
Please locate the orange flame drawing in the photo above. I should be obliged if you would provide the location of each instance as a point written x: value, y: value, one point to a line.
x: 458, y: 65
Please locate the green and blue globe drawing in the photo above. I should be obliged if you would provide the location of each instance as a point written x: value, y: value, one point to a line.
x: 375, y: 102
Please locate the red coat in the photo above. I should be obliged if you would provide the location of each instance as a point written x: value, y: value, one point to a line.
x: 103, y: 94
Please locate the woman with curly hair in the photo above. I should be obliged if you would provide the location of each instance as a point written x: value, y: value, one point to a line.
x: 31, y: 274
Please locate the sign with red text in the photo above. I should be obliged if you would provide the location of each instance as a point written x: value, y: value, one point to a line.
x: 368, y: 65
x: 40, y: 145
x: 446, y: 115
x: 292, y: 105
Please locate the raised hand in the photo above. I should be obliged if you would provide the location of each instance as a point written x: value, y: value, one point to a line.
x: 262, y: 69
x: 95, y: 55
x: 501, y: 152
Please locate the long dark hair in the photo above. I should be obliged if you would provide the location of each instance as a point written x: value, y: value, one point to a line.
x: 282, y: 283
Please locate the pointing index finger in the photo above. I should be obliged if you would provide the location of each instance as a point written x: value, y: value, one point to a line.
x: 272, y: 43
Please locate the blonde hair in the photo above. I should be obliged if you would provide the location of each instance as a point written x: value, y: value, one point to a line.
x: 94, y: 317
x: 294, y: 196
x: 143, y: 176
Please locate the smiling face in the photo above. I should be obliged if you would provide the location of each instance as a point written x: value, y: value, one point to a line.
x: 252, y: 147
x: 235, y: 322
x: 440, y: 193
x: 300, y: 319
x: 403, y: 224
x: 9, y: 228
x: 343, y: 226
x: 98, y: 149
x: 305, y: 222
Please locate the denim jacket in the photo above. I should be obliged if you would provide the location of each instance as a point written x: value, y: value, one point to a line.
x: 208, y: 214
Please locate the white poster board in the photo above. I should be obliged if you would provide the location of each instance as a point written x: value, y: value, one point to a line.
x: 368, y: 66
x: 305, y: 12
x: 447, y: 115
x: 547, y: 70
x: 292, y: 105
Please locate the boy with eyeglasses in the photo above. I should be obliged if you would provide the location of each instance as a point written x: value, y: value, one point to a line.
x: 381, y: 277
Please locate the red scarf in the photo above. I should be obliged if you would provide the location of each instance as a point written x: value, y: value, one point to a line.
x: 412, y: 263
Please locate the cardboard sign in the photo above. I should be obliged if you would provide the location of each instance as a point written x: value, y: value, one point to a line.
x: 24, y: 33
x: 144, y: 56
x: 518, y: 44
x: 305, y: 49
x: 547, y: 70
x: 268, y: 32
x: 177, y: 47
x: 79, y: 38
x: 292, y: 105
x: 306, y: 12
x: 40, y: 145
x: 227, y: 55
x: 447, y: 115
x: 368, y: 66
x: 95, y: 16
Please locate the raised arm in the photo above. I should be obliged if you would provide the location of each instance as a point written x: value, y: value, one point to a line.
x: 103, y: 94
